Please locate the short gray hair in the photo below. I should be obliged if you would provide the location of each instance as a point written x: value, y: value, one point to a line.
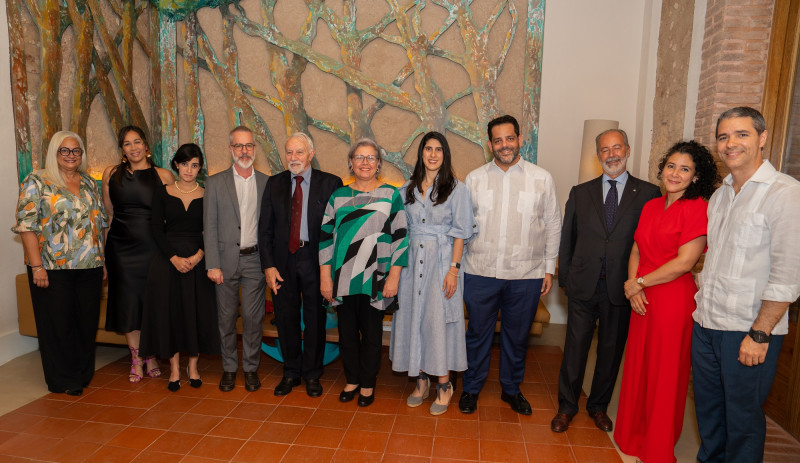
x: 379, y: 152
x: 303, y: 136
x: 238, y: 128
x: 619, y: 131
x: 744, y: 111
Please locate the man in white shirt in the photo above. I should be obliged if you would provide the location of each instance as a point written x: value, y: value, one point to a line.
x: 509, y: 264
x: 230, y: 233
x: 750, y: 276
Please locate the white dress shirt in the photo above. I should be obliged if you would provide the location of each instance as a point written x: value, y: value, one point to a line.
x: 753, y: 251
x: 519, y: 222
x: 247, y: 194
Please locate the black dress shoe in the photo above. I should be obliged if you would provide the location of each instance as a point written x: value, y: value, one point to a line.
x: 602, y: 421
x: 251, y: 381
x: 286, y: 385
x: 174, y: 385
x: 560, y: 422
x: 468, y: 403
x: 365, y: 400
x: 228, y: 381
x: 517, y: 402
x: 347, y: 396
x: 313, y: 388
x: 74, y: 392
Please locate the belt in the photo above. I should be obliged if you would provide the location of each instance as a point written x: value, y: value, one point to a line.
x: 248, y: 251
x: 303, y: 243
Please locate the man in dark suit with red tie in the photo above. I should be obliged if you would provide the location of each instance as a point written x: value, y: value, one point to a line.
x: 600, y: 218
x: 288, y: 240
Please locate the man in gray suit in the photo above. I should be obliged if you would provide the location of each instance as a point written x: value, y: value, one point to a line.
x: 230, y: 220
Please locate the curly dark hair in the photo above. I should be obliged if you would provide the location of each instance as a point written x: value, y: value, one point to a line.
x: 705, y: 169
x: 116, y: 174
x: 445, y: 181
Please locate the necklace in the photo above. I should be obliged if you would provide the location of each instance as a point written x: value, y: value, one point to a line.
x: 369, y: 200
x: 196, y: 186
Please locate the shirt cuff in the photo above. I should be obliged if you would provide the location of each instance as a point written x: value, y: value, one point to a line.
x: 780, y: 293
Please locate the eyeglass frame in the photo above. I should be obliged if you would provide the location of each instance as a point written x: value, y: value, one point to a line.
x: 61, y: 152
x: 239, y: 147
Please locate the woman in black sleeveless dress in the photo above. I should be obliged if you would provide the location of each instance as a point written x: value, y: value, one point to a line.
x: 180, y: 312
x: 129, y: 189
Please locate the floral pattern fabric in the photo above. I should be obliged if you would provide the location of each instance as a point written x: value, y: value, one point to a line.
x: 69, y: 227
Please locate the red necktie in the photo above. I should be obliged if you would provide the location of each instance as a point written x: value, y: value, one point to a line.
x: 297, y: 217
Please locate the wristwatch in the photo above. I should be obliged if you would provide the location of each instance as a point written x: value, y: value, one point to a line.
x: 759, y: 336
x: 640, y: 282
x: 455, y: 264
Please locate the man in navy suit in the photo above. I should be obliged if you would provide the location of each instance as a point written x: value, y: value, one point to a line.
x: 288, y: 239
x: 600, y: 218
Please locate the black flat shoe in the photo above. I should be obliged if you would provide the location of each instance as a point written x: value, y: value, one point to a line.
x: 365, y: 400
x: 313, y: 388
x: 468, y: 403
x: 518, y: 403
x: 285, y: 386
x: 347, y: 396
x: 228, y: 381
x: 74, y: 392
x: 174, y: 385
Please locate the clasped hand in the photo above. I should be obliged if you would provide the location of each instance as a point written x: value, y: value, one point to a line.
x: 634, y: 293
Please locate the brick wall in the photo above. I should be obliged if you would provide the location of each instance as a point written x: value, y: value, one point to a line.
x: 735, y: 52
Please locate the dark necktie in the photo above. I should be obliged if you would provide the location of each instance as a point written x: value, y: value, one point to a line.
x: 297, y: 217
x: 611, y: 204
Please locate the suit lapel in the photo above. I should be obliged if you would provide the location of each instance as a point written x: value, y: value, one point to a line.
x: 596, y: 195
x: 230, y: 189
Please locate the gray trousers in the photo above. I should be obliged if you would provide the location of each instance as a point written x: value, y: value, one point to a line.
x: 250, y: 279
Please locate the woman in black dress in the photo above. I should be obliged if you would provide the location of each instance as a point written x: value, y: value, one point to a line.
x: 180, y: 312
x: 129, y: 189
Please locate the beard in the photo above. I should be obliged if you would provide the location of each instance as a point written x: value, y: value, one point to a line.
x: 507, y: 161
x: 616, y: 169
x: 296, y: 167
x: 245, y: 162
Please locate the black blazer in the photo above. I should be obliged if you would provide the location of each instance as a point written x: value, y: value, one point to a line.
x: 585, y: 240
x: 276, y: 210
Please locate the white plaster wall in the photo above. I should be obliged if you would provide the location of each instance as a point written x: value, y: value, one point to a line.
x: 12, y: 344
x: 598, y: 64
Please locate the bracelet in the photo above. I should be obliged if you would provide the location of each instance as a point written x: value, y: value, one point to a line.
x: 451, y: 273
x: 38, y: 268
x: 33, y: 267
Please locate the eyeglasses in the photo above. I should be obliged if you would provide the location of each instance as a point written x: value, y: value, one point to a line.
x: 246, y: 146
x: 361, y: 158
x: 65, y: 152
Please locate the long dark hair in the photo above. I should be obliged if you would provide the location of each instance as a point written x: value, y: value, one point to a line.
x: 116, y: 175
x: 445, y: 181
x: 704, y: 169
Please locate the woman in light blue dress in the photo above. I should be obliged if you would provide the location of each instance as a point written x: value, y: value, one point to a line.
x: 428, y: 329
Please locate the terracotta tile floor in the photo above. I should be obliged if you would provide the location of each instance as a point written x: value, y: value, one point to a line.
x: 117, y: 421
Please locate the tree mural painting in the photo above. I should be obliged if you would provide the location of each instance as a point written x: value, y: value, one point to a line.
x: 106, y: 33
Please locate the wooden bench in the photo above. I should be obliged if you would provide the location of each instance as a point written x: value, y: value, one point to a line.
x: 27, y: 323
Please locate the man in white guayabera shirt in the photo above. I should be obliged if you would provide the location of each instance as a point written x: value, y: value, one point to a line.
x: 750, y: 276
x: 509, y: 264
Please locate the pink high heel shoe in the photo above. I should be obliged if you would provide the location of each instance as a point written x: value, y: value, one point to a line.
x: 136, y: 361
x: 152, y: 371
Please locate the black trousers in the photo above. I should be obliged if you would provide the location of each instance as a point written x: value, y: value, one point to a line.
x: 360, y: 332
x: 302, y: 350
x: 612, y: 334
x: 66, y: 314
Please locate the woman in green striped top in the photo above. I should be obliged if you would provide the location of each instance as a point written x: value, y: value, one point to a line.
x: 363, y: 246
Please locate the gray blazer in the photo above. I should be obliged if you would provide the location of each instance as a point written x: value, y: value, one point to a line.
x: 221, y: 221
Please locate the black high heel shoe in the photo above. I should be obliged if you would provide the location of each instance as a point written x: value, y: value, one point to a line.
x: 195, y: 383
x: 347, y: 396
x: 174, y: 385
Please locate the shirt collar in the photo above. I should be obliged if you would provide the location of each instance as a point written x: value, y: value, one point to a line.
x: 764, y: 174
x: 621, y: 180
x: 236, y: 173
x: 306, y: 176
x: 518, y: 165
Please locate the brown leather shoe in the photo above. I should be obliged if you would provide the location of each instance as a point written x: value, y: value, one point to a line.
x: 602, y: 421
x: 560, y: 423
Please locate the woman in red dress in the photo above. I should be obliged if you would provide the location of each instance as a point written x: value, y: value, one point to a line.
x: 668, y: 242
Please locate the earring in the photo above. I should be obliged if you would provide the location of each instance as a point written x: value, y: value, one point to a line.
x: 124, y: 159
